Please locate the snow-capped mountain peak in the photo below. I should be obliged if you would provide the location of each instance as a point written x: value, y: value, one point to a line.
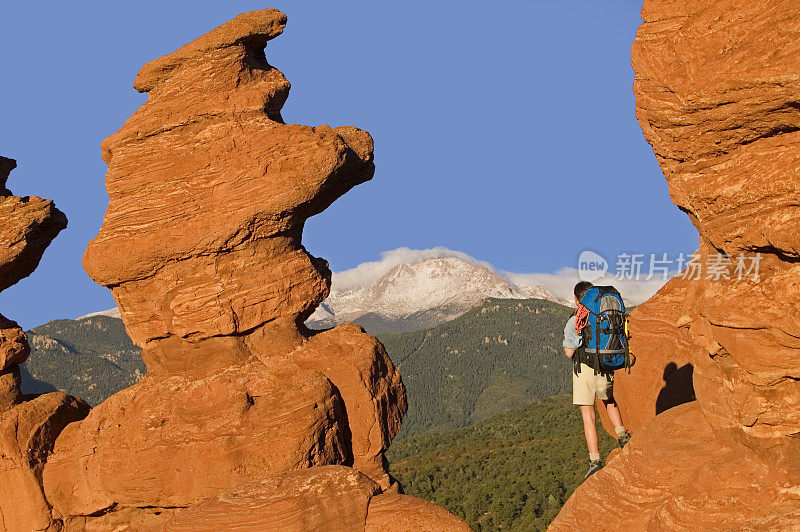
x: 448, y: 285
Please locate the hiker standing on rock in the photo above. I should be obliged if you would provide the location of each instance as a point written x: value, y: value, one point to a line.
x: 595, y: 339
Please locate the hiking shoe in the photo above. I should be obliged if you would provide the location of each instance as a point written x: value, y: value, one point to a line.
x: 622, y: 440
x: 594, y: 467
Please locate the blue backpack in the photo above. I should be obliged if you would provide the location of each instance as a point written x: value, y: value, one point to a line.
x: 605, y: 337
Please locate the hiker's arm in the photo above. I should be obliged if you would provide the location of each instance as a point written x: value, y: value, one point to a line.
x: 572, y: 339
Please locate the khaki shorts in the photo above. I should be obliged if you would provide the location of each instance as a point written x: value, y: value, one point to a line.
x: 585, y: 385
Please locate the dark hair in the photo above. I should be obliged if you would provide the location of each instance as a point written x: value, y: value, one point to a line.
x: 581, y: 288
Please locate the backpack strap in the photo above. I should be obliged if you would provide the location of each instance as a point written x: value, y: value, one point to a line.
x: 596, y: 358
x: 580, y: 357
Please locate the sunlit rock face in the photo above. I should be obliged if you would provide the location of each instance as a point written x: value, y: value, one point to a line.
x: 28, y: 226
x: 28, y: 425
x: 201, y: 247
x: 209, y: 191
x: 663, y: 373
x: 718, y: 97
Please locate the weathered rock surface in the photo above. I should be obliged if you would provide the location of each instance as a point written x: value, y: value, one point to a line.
x: 201, y: 247
x: 676, y: 475
x: 320, y: 498
x: 399, y: 513
x: 717, y: 96
x: 14, y: 348
x: 27, y: 434
x: 662, y: 376
x: 29, y: 225
x: 176, y: 441
x: 373, y: 395
x: 28, y: 425
x: 328, y: 498
x: 211, y: 246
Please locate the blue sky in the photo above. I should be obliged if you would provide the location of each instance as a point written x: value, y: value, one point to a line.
x: 500, y: 129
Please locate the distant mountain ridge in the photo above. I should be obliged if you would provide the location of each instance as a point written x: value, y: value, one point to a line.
x: 420, y: 295
x: 497, y: 356
x: 111, y: 313
x: 90, y: 358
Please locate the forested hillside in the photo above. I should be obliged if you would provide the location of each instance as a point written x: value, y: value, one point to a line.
x: 498, y: 356
x: 511, y: 472
x: 90, y: 358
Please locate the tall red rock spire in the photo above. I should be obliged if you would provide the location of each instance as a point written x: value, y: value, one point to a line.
x: 201, y: 247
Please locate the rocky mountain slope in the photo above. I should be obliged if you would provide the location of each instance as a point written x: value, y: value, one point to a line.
x: 498, y: 356
x: 91, y: 358
x: 717, y: 91
x: 419, y: 296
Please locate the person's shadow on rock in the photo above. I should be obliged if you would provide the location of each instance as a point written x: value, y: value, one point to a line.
x: 678, y: 387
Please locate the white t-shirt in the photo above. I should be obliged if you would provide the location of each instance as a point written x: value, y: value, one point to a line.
x: 572, y: 340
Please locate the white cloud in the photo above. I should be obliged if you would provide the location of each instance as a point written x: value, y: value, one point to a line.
x: 560, y: 283
x: 563, y: 281
x: 369, y: 273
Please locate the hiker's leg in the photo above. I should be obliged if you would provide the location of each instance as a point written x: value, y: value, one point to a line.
x: 590, y: 428
x: 616, y: 418
x: 613, y: 412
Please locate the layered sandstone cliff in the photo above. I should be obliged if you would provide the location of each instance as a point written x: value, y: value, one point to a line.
x: 28, y: 425
x: 244, y: 418
x: 718, y: 97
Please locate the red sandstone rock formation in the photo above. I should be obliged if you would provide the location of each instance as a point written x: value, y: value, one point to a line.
x: 28, y: 425
x: 718, y: 97
x: 201, y: 247
x: 29, y: 225
x: 662, y: 375
x: 320, y: 498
